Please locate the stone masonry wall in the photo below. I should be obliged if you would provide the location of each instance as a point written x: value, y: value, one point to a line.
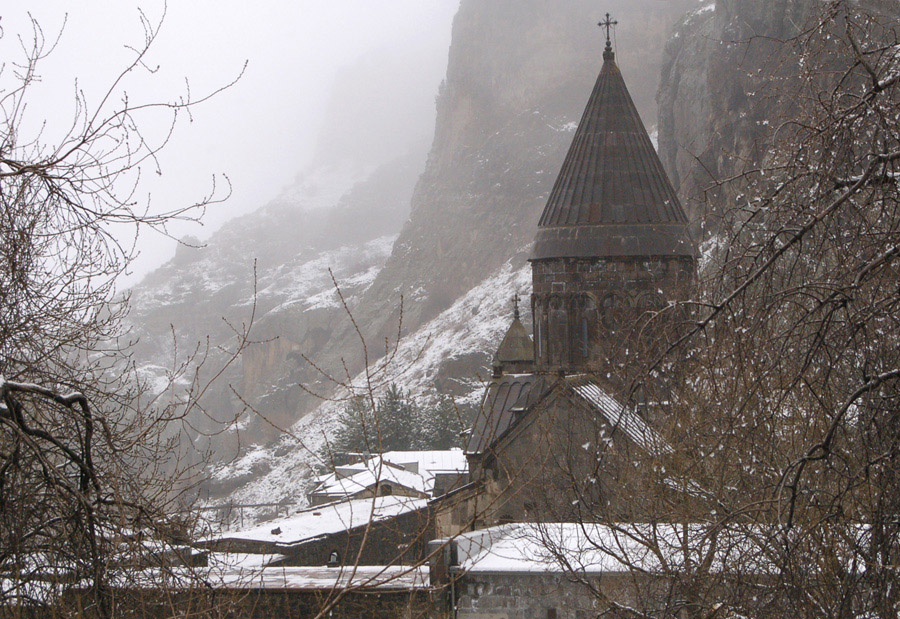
x: 524, y: 596
x: 580, y: 305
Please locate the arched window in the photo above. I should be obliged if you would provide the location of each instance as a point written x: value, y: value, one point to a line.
x: 650, y: 302
x: 588, y: 326
x: 539, y: 330
x: 334, y: 559
x: 610, y: 307
x: 557, y: 339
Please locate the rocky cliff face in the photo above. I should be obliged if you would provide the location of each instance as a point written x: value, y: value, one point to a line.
x: 519, y: 75
x: 518, y: 78
x: 722, y: 92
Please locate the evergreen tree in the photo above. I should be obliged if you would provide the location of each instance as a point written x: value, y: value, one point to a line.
x: 442, y: 425
x: 398, y: 423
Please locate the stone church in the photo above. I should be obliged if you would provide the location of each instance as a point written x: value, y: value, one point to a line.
x: 556, y: 439
x: 563, y: 438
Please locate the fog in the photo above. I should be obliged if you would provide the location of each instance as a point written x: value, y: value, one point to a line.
x: 264, y: 129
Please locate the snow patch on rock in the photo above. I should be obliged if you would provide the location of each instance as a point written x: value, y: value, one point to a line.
x: 309, y: 283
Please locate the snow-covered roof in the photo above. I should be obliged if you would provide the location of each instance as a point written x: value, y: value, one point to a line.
x: 413, y: 469
x: 327, y: 519
x: 429, y: 462
x: 620, y: 417
x: 561, y: 547
x: 661, y: 548
x: 241, y: 560
x: 505, y: 399
x: 379, y: 577
x: 281, y: 578
x: 337, y: 487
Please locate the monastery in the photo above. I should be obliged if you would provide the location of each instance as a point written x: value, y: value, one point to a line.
x: 562, y: 442
x: 559, y: 427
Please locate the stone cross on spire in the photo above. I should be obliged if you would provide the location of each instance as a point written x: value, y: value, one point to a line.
x: 516, y: 305
x: 608, y: 23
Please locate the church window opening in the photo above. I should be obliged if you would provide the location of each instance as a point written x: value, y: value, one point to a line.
x: 559, y: 327
x: 585, y: 337
x: 608, y: 309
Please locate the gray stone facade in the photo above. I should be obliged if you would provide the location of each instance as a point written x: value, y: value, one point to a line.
x: 524, y: 596
x: 580, y: 305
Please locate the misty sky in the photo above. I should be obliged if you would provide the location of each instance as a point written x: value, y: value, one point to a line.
x: 262, y: 131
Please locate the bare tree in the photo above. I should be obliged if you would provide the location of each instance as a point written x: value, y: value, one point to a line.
x: 85, y: 463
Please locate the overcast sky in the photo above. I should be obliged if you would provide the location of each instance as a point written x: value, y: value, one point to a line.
x: 262, y: 131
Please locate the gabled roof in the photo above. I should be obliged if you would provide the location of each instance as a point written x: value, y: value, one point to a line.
x: 507, y: 401
x: 337, y: 487
x: 414, y: 470
x: 612, y: 197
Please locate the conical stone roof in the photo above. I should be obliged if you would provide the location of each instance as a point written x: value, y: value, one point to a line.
x: 516, y: 346
x: 612, y: 197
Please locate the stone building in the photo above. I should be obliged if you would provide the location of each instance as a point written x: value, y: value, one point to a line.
x: 612, y: 242
x: 415, y: 474
x: 612, y: 256
x: 589, y: 570
x: 559, y: 441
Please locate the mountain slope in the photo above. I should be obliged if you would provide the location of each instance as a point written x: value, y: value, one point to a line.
x: 518, y: 77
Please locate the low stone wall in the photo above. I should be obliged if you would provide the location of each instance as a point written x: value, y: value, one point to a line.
x: 524, y: 596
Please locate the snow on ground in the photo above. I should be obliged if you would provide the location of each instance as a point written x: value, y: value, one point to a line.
x: 244, y: 465
x: 310, y: 284
x: 475, y: 322
x: 306, y: 283
x: 157, y: 378
x: 213, y: 270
